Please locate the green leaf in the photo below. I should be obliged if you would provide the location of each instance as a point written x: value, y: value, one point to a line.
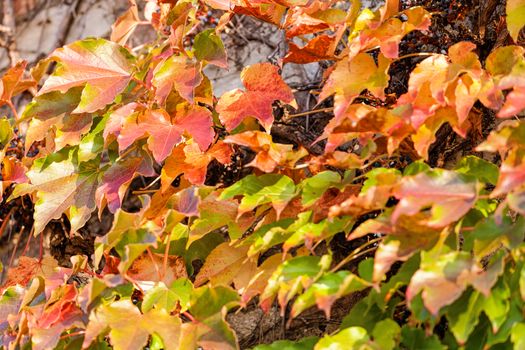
x: 326, y: 290
x: 302, y: 344
x: 366, y: 269
x: 349, y: 338
x: 166, y: 298
x: 515, y: 17
x: 479, y: 168
x: 208, y: 46
x: 290, y: 276
x: 517, y: 336
x: 415, y: 338
x: 207, y: 301
x: 463, y: 315
x: 415, y: 168
x: 53, y: 104
x: 386, y: 334
x: 6, y: 133
x: 497, y: 305
x: 314, y: 187
x: 275, y: 189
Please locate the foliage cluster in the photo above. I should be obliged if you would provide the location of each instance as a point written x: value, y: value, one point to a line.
x: 445, y: 262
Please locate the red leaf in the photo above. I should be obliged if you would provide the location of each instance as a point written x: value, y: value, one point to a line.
x: 180, y: 73
x: 317, y: 49
x: 263, y: 85
x: 117, y: 179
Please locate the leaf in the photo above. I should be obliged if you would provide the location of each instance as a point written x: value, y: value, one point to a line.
x: 350, y: 77
x: 463, y: 315
x: 517, y: 335
x: 117, y: 178
x: 515, y: 17
x: 208, y: 47
x: 315, y: 186
x: 442, y: 278
x: 415, y: 338
x: 12, y: 82
x: 132, y: 335
x: 479, y: 168
x: 273, y: 189
x: 386, y: 334
x: 326, y: 290
x: 290, y: 278
x: 407, y: 237
x: 263, y: 85
x: 348, y: 338
x: 320, y: 48
x: 302, y: 344
x: 222, y: 265
x: 6, y: 133
x: 179, y: 73
x: 192, y: 162
x: 60, y: 187
x: 214, y: 214
x: 166, y: 298
x: 164, y: 135
x: 450, y: 195
x: 103, y: 68
x: 125, y: 25
x: 268, y: 155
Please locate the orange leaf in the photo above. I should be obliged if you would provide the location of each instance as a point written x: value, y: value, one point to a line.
x: 263, y: 85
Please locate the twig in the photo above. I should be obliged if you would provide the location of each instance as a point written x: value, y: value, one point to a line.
x: 313, y: 111
x: 357, y: 253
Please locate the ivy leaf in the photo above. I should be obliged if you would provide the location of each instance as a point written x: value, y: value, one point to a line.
x: 117, y: 178
x: 160, y: 296
x: 268, y: 155
x: 263, y: 85
x: 103, y: 68
x: 290, y: 278
x: 479, y: 168
x: 315, y: 186
x: 442, y: 278
x: 209, y: 306
x: 61, y: 187
x: 12, y: 82
x: 350, y: 77
x: 179, y: 73
x: 192, y: 162
x: 164, y: 135
x: 274, y: 189
x: 463, y: 315
x: 128, y: 335
x: 326, y: 290
x: 320, y: 48
x: 415, y: 338
x: 214, y: 214
x: 302, y: 344
x: 450, y: 195
x: 515, y: 17
x: 125, y: 25
x: 208, y: 47
x: 386, y: 334
x: 223, y: 265
x: 348, y: 338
